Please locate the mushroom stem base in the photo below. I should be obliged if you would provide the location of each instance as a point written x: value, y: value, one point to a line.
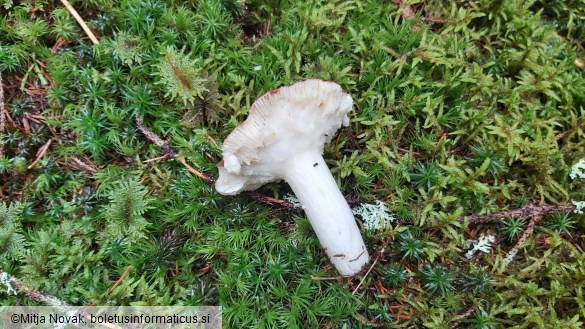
x: 328, y: 212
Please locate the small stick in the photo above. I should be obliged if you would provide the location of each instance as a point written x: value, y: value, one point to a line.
x: 193, y: 170
x: 380, y: 253
x: 81, y: 22
x: 326, y: 278
x: 465, y: 315
x: 211, y: 140
x: 2, y: 113
x: 434, y: 20
x: 2, y: 107
x: 15, y: 285
x: 271, y: 200
x: 163, y: 157
x: 564, y: 134
x: 210, y: 157
x: 403, y: 150
x: 169, y: 152
x: 529, y: 210
x: 529, y: 229
x: 153, y: 137
x: 124, y: 275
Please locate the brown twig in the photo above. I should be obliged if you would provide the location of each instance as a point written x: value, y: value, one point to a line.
x: 210, y: 157
x: 15, y: 285
x: 271, y: 200
x: 527, y: 233
x: 529, y: 210
x: 124, y: 275
x: 564, y: 134
x: 211, y: 140
x: 380, y: 253
x: 162, y: 157
x: 2, y: 107
x: 326, y: 278
x: 154, y: 138
x: 465, y: 315
x: 434, y: 20
x: 535, y: 212
x: 81, y: 22
x: 193, y: 170
x: 2, y: 114
x: 169, y: 153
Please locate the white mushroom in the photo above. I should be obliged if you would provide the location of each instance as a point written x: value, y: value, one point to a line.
x: 283, y: 138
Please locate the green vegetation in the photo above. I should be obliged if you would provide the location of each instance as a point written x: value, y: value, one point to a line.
x: 465, y: 107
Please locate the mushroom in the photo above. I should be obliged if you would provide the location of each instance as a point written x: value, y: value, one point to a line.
x: 283, y: 138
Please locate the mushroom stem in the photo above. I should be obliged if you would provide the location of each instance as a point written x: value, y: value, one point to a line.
x: 329, y: 214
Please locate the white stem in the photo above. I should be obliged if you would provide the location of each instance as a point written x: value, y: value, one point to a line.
x: 326, y: 208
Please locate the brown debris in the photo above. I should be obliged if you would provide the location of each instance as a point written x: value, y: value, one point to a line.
x: 380, y: 254
x: 2, y: 106
x: 406, y: 12
x: 169, y: 153
x: 528, y: 211
x: 271, y: 200
x: 41, y: 153
x: 17, y: 285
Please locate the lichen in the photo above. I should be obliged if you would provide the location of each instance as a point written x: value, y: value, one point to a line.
x: 5, y: 280
x: 578, y: 170
x: 579, y: 206
x: 483, y: 244
x: 376, y: 216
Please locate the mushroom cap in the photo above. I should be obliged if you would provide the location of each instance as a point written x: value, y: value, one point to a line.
x: 281, y: 124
